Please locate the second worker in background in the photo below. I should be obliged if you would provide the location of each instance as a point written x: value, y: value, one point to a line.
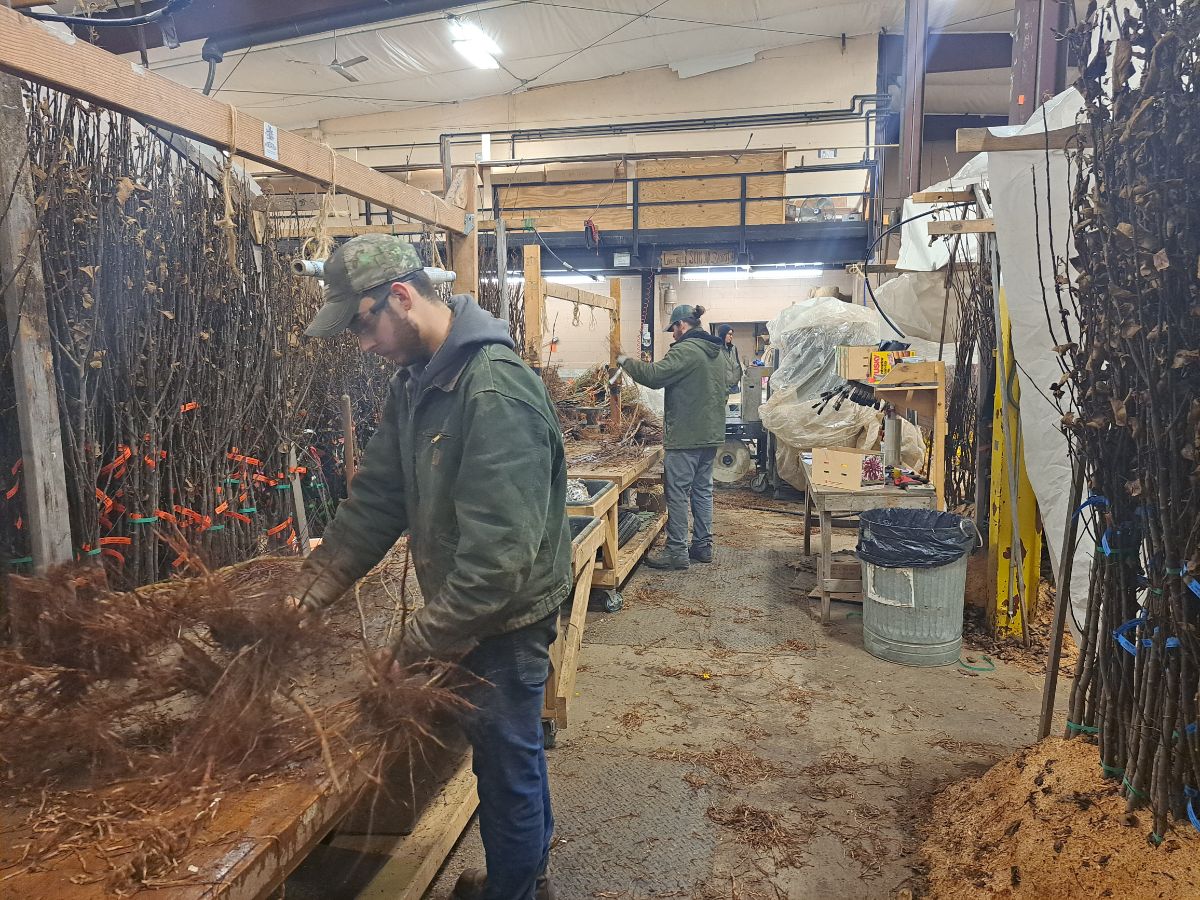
x: 693, y: 375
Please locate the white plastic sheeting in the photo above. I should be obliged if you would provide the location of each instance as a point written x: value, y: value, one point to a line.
x: 917, y: 252
x: 1011, y: 175
x: 807, y: 334
x: 916, y: 302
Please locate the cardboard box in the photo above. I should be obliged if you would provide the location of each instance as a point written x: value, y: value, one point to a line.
x: 839, y: 467
x: 854, y: 362
x: 883, y: 360
x: 867, y: 363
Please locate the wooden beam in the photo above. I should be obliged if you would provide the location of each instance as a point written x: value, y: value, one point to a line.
x: 572, y: 294
x: 979, y: 140
x: 31, y: 51
x: 43, y: 470
x: 614, y: 347
x: 912, y: 119
x: 944, y: 197
x: 533, y: 305
x: 963, y: 226
x: 464, y: 250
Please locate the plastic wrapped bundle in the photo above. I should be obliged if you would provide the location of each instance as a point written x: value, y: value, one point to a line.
x: 807, y: 335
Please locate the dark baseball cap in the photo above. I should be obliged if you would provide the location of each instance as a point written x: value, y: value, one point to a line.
x: 353, y: 269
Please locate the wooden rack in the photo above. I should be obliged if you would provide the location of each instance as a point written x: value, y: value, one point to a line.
x: 625, y: 474
x: 921, y: 389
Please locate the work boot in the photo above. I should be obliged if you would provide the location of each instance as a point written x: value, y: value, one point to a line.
x: 668, y: 559
x: 700, y: 554
x: 472, y: 883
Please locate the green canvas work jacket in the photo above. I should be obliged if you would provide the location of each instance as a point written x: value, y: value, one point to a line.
x: 468, y: 459
x: 693, y: 375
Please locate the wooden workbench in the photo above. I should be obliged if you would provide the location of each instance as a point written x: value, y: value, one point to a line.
x: 618, y: 562
x: 828, y: 500
x: 263, y: 828
x: 564, y: 653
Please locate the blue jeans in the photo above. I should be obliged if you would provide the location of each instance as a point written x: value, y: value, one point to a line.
x: 505, y: 731
x: 688, y: 483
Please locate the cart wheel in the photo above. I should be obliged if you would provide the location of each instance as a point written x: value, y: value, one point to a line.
x: 549, y: 733
x: 613, y: 601
x: 759, y: 483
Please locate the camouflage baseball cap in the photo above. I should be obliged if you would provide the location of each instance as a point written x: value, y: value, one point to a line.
x: 681, y: 312
x: 353, y: 269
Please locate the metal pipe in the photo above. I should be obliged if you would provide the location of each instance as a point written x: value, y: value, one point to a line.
x: 315, y: 268
x: 215, y: 48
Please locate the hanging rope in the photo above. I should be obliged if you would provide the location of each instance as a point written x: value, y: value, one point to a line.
x: 228, y: 225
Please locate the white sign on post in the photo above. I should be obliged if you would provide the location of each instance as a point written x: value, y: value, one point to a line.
x: 270, y: 141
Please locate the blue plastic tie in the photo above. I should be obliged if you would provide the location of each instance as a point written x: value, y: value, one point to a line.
x: 1120, y: 631
x: 1191, y: 793
x: 1094, y: 500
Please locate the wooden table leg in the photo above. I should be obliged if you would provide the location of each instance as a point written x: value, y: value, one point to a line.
x: 825, y: 566
x: 807, y: 520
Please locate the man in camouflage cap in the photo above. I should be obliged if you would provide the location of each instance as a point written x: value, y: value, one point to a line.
x: 467, y: 461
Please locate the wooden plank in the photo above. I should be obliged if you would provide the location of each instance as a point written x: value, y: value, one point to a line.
x: 416, y: 859
x: 698, y: 215
x: 963, y: 226
x: 630, y: 555
x: 464, y: 249
x: 621, y: 472
x: 614, y: 348
x: 45, y: 481
x: 534, y: 301
x: 572, y: 294
x: 564, y: 654
x: 979, y: 140
x: 31, y: 51
x: 944, y: 197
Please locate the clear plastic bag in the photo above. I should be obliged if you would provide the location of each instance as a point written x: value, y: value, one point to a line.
x: 807, y: 334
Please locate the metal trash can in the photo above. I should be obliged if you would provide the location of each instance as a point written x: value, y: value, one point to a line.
x: 914, y: 578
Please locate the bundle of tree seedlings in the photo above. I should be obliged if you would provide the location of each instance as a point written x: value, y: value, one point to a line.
x: 1128, y: 331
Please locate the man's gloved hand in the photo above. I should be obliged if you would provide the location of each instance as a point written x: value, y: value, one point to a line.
x: 305, y: 607
x: 621, y: 357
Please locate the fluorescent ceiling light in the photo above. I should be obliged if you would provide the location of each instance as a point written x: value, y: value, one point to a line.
x: 574, y: 279
x: 723, y: 273
x: 475, y: 44
x: 786, y: 272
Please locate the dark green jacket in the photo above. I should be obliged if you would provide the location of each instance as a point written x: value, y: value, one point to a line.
x: 468, y: 459
x: 693, y: 373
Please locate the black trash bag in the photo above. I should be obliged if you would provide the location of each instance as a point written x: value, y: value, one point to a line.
x: 913, y: 538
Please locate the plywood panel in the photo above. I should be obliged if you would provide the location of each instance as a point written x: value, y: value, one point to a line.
x: 714, y: 188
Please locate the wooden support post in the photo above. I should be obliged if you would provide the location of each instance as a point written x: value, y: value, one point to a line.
x: 912, y: 122
x: 1062, y: 601
x: 45, y: 480
x: 464, y: 249
x: 533, y: 306
x: 614, y: 346
x: 351, y: 447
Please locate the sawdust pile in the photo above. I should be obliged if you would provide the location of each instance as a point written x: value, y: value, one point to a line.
x: 1044, y: 823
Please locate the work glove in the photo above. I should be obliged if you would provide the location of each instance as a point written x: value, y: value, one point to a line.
x: 621, y: 357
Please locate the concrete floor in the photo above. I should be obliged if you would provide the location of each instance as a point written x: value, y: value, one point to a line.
x: 725, y: 744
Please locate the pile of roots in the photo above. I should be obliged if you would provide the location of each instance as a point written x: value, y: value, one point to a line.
x: 173, y: 693
x: 590, y: 391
